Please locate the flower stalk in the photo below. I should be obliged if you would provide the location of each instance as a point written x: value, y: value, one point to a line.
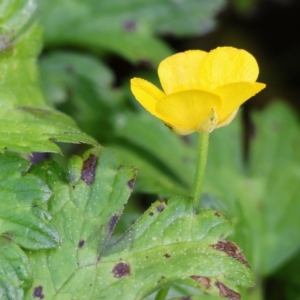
x: 200, y: 168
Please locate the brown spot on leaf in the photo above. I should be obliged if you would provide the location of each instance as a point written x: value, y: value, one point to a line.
x: 121, y: 270
x: 129, y: 26
x: 232, y: 250
x: 151, y: 213
x: 112, y: 223
x: 38, y: 292
x: 205, y: 281
x: 88, y: 169
x: 226, y: 292
x: 131, y: 182
x: 217, y: 214
x: 167, y: 255
x: 160, y: 208
x: 81, y: 243
x: 161, y: 279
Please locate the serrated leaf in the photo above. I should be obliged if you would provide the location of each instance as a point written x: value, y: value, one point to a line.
x: 168, y: 243
x: 85, y: 210
x: 27, y: 123
x: 106, y: 25
x: 15, y: 273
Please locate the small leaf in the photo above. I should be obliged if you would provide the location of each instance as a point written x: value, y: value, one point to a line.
x: 22, y: 197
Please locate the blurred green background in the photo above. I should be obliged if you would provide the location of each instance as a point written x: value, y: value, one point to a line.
x: 93, y: 47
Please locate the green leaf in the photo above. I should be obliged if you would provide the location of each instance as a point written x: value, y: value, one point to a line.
x: 85, y: 209
x: 128, y: 27
x: 168, y: 243
x: 15, y: 273
x: 276, y: 160
x: 27, y: 123
x: 81, y: 86
x: 22, y: 196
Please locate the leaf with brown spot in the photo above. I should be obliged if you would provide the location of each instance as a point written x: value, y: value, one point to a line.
x: 174, y: 242
x: 38, y: 292
x: 205, y: 281
x: 112, y: 223
x: 227, y: 292
x: 160, y: 208
x: 86, y: 215
x: 232, y: 250
x: 121, y: 270
x: 89, y: 169
x: 81, y: 243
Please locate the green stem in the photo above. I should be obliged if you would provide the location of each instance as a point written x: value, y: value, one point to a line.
x: 162, y: 294
x: 200, y: 168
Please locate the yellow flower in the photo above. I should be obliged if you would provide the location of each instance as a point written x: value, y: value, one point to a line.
x: 201, y: 91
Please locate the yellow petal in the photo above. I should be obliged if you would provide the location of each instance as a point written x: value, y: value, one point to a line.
x: 189, y: 109
x: 179, y: 130
x: 228, y: 120
x: 146, y: 93
x: 234, y: 95
x: 226, y: 65
x: 180, y: 71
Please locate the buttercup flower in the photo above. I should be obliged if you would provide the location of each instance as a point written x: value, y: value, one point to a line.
x: 201, y: 91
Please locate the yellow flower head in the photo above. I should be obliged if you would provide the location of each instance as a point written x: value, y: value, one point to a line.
x: 201, y: 91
